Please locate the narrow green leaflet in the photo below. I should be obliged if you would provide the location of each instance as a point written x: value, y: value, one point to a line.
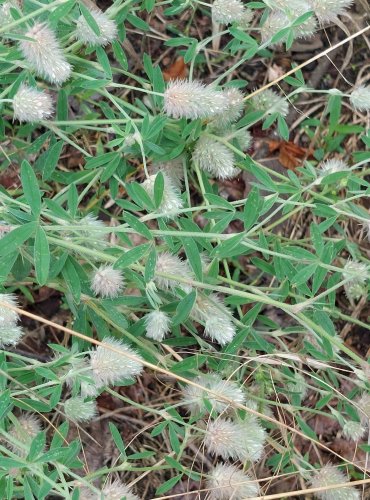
x: 15, y: 238
x: 31, y: 188
x: 41, y: 256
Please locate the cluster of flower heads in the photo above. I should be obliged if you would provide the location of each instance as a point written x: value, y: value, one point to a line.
x: 10, y: 332
x: 45, y: 56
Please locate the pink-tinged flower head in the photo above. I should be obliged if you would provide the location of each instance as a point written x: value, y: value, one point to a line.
x: 107, y: 28
x: 157, y: 325
x: 45, y: 55
x: 330, y: 476
x: 328, y: 10
x: 31, y: 105
x: 235, y: 440
x: 116, y: 364
x: 228, y: 482
x: 194, y: 397
x: 184, y: 99
x: 107, y: 282
x: 117, y: 490
x: 360, y: 98
x: 227, y: 11
x: 26, y: 428
x: 215, y: 158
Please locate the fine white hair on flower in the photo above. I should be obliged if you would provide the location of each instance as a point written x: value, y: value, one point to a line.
x: 353, y: 431
x: 173, y: 265
x: 171, y: 200
x: 107, y: 28
x: 216, y: 317
x: 234, y: 109
x: 117, y: 490
x: 215, y: 158
x: 357, y: 273
x: 227, y: 482
x: 184, y: 99
x: 79, y: 410
x: 31, y: 105
x: 278, y: 20
x: 8, y: 317
x: 112, y: 362
x: 174, y: 169
x: 242, y: 440
x: 269, y: 102
x: 157, y: 324
x: 107, y: 282
x: 10, y: 335
x: 227, y: 11
x: 194, y: 397
x: 5, y: 14
x: 332, y: 166
x: 360, y: 98
x: 45, y: 55
x: 364, y: 409
x: 328, y: 10
x: 81, y: 373
x: 330, y: 476
x: 26, y: 428
x: 297, y: 387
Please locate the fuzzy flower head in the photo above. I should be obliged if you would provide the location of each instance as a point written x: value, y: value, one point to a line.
x: 184, y: 99
x: 364, y: 409
x: 333, y: 166
x: 79, y: 410
x: 227, y: 11
x: 5, y: 12
x: 233, y: 111
x: 360, y: 98
x: 171, y: 199
x: 79, y: 371
x: 280, y: 19
x: 8, y: 317
x: 91, y: 231
x: 194, y: 397
x: 214, y: 158
x: 107, y: 29
x: 45, y: 55
x: 218, y: 325
x: 107, y: 282
x: 31, y: 105
x: 269, y: 102
x: 157, y: 325
x: 330, y: 476
x: 171, y: 264
x: 227, y: 481
x: 298, y: 387
x: 110, y: 362
x: 235, y: 440
x: 173, y: 169
x: 353, y: 431
x: 26, y: 428
x: 117, y: 490
x: 328, y: 10
x: 357, y: 273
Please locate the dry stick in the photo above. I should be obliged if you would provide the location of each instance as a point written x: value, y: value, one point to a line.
x: 178, y: 377
x: 277, y: 495
x: 314, y: 58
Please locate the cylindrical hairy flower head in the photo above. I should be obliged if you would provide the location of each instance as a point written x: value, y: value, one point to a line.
x: 364, y: 409
x: 79, y: 410
x: 269, y: 102
x: 246, y: 19
x: 112, y: 365
x: 45, y: 55
x: 107, y: 28
x: 332, y: 166
x: 27, y: 428
x: 171, y: 264
x: 360, y: 98
x: 233, y: 111
x: 117, y: 490
x: 174, y: 169
x: 353, y: 431
x: 236, y: 440
x: 328, y: 10
x: 31, y: 105
x: 357, y: 273
x: 81, y: 373
x: 184, y: 99
x: 10, y: 335
x: 227, y: 11
x: 228, y: 482
x: 8, y: 317
x: 171, y: 199
x: 217, y: 318
x: 215, y: 158
x: 330, y: 476
x: 278, y: 20
x: 107, y: 282
x: 298, y: 387
x: 157, y: 325
x: 194, y: 397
